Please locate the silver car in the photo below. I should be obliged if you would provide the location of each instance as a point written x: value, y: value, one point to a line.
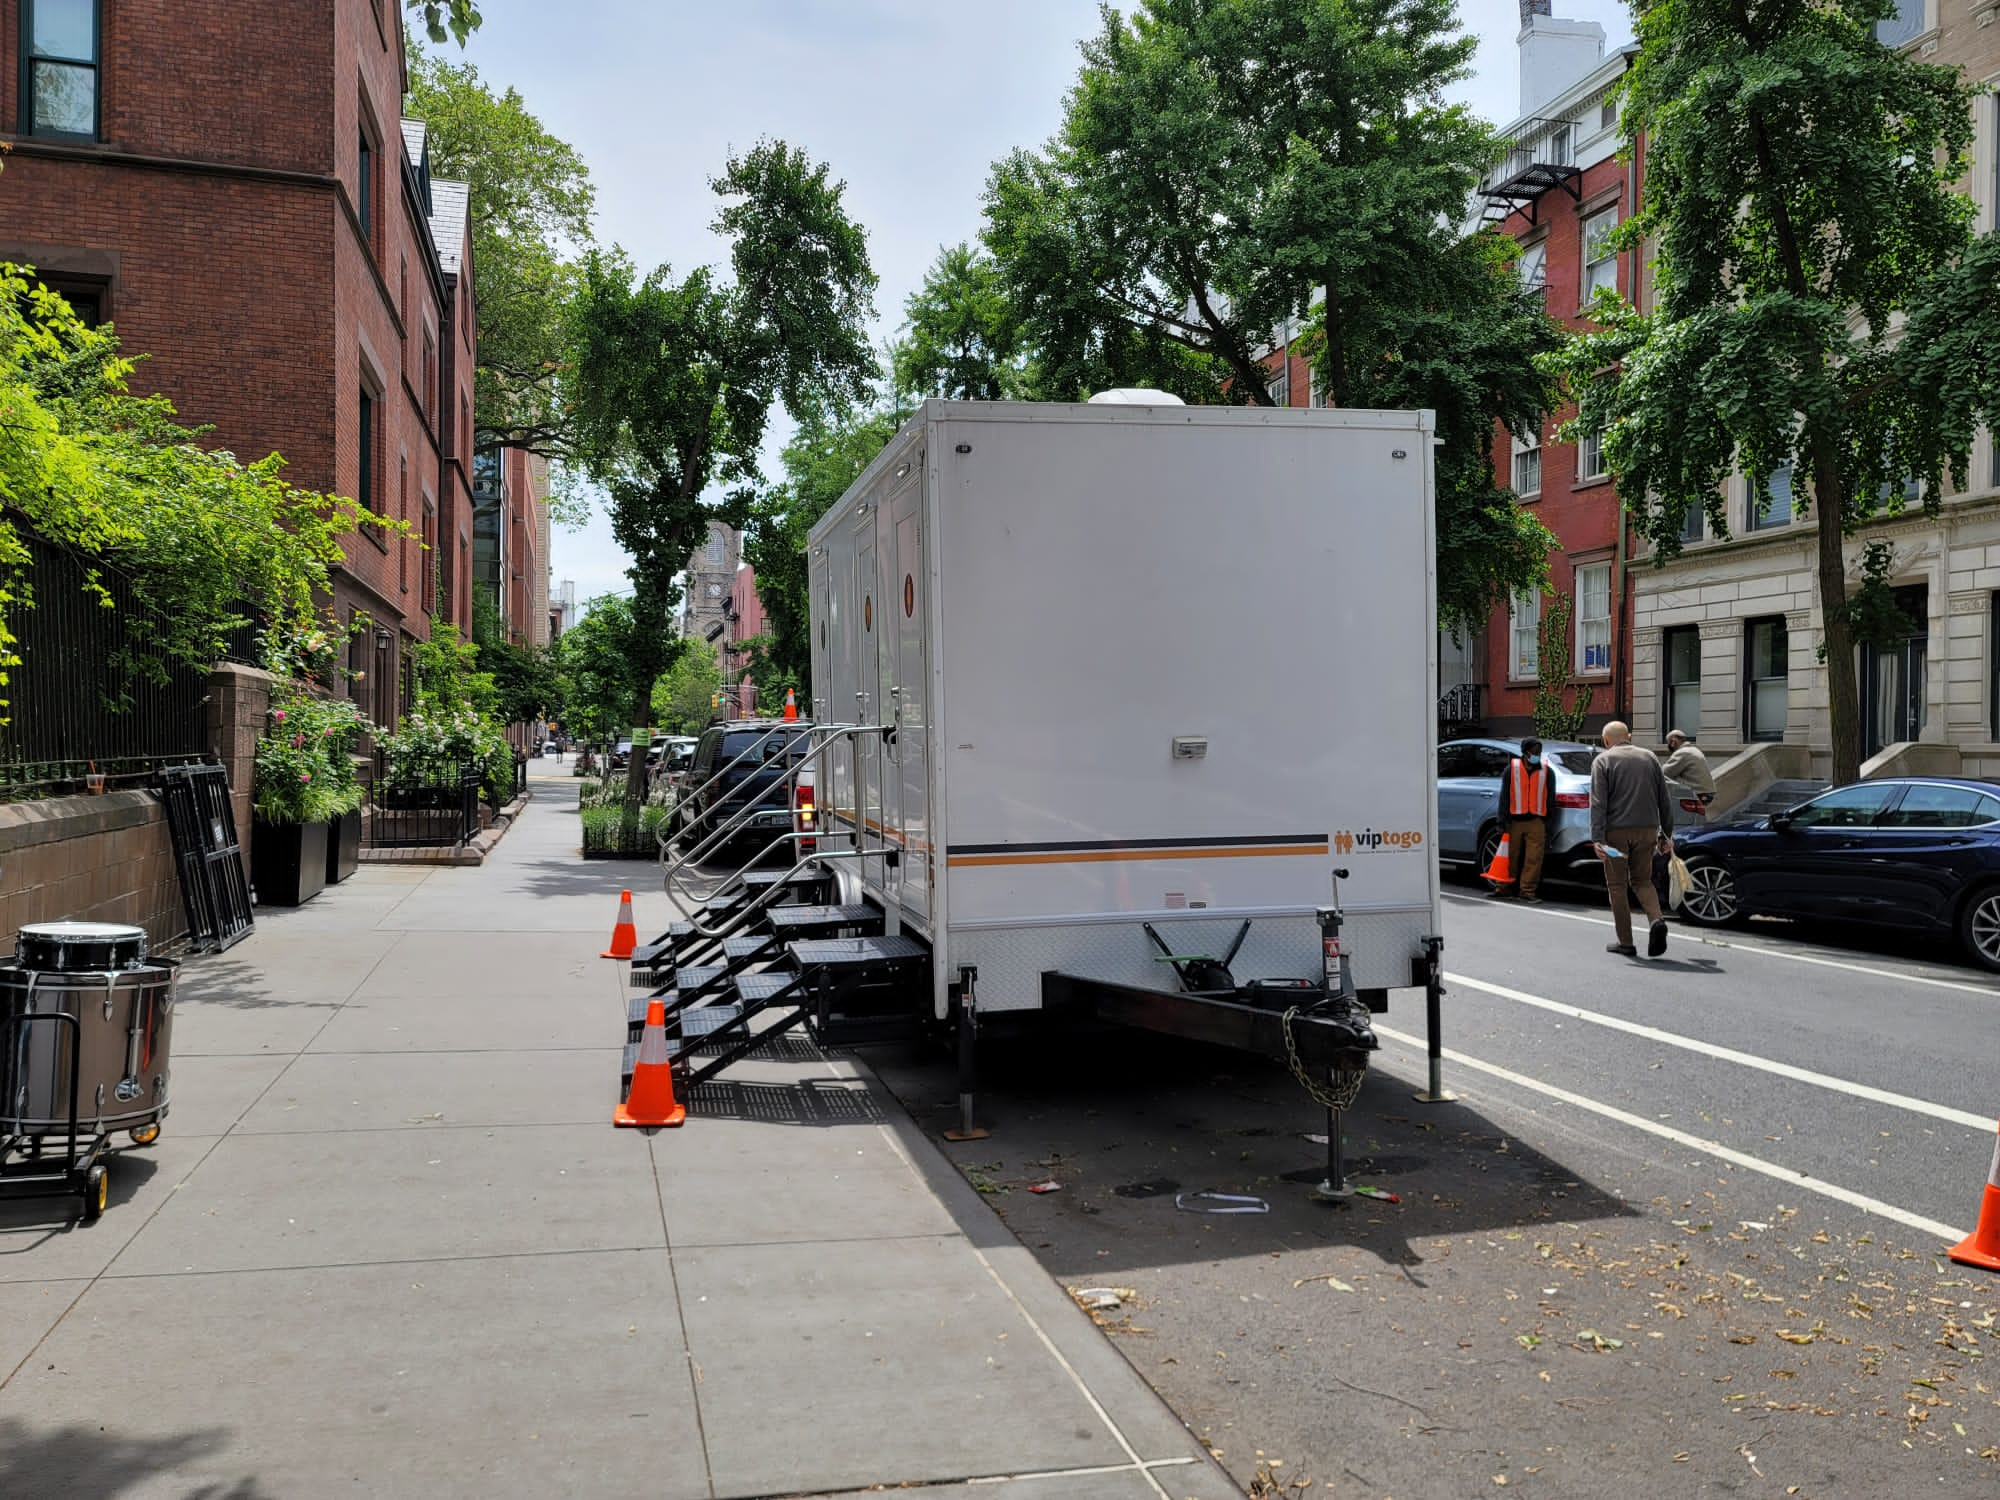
x: 1469, y: 777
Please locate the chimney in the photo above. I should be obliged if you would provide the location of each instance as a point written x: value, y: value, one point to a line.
x: 1555, y: 54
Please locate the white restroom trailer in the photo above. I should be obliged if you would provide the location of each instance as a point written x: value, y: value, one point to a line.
x: 1140, y: 664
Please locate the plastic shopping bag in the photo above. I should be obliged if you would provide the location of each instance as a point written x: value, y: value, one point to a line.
x: 1677, y: 882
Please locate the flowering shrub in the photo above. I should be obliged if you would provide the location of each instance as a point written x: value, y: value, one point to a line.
x: 305, y: 761
x: 438, y: 740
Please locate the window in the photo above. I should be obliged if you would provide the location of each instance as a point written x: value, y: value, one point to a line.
x: 1774, y: 506
x: 1590, y: 457
x: 715, y: 549
x: 1593, y: 617
x: 1534, y: 266
x: 1904, y: 25
x: 1692, y: 524
x: 1559, y: 146
x: 427, y: 562
x: 1600, y: 262
x: 1912, y: 493
x: 403, y: 515
x: 1528, y: 466
x: 1524, y: 646
x: 1279, y: 386
x: 359, y: 638
x: 465, y: 425
x: 85, y: 298
x: 1766, y: 667
x: 1934, y: 806
x: 1607, y: 113
x: 59, y: 74
x: 1855, y: 806
x: 364, y: 489
x: 1680, y: 652
x: 364, y: 204
x: 429, y: 387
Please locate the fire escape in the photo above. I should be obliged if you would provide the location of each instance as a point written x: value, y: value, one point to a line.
x: 1541, y: 160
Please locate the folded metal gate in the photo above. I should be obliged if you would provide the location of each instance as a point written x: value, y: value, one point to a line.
x: 214, y: 888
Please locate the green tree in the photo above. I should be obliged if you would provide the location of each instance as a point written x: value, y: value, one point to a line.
x: 823, y: 458
x: 684, y: 697
x: 676, y: 379
x: 531, y: 202
x: 961, y: 338
x: 1234, y: 173
x: 528, y: 681
x: 1799, y: 187
x: 596, y: 656
x: 442, y: 18
x: 211, y: 544
x: 1555, y: 719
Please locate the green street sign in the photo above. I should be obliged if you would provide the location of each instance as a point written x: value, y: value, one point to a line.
x: 642, y: 736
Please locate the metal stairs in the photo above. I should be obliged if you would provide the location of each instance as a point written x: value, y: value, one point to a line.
x: 769, y: 969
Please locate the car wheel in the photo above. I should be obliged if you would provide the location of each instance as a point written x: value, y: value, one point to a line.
x: 1712, y: 899
x: 1489, y: 850
x: 1979, y: 926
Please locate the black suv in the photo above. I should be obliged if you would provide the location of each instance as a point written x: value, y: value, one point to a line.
x: 757, y: 777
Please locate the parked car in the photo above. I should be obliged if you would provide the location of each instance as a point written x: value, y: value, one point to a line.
x: 722, y: 779
x: 621, y: 755
x: 1919, y: 853
x: 1469, y: 775
x: 675, y: 755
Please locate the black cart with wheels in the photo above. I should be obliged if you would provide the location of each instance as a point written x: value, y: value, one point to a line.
x: 85, y: 1023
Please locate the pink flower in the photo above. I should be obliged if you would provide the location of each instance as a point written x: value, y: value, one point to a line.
x: 279, y: 715
x: 326, y: 731
x: 305, y: 776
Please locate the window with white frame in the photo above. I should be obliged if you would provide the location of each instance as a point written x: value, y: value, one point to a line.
x: 1528, y: 466
x: 1905, y: 25
x: 1773, y: 506
x: 1590, y: 457
x: 1534, y: 266
x: 1558, y: 152
x: 1524, y: 643
x: 1607, y: 113
x: 1692, y: 524
x: 1279, y: 386
x: 1600, y: 262
x: 1593, y: 617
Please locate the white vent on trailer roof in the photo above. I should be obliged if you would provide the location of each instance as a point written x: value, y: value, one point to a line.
x: 1132, y: 395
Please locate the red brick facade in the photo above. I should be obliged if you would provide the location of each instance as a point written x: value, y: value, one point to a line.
x: 223, y: 219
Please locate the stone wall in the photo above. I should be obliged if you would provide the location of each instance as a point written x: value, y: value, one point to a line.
x: 102, y: 859
x: 238, y: 699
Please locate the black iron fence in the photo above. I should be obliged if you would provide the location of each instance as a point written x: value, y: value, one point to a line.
x: 440, y: 812
x: 88, y: 705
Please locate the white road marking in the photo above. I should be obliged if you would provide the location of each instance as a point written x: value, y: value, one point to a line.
x: 1983, y: 1123
x: 1716, y: 1149
x: 1684, y: 935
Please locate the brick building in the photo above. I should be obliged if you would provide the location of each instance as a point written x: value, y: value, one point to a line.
x: 1558, y: 194
x: 243, y: 205
x: 510, y: 539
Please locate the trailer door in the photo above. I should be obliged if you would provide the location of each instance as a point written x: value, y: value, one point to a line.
x: 867, y: 627
x: 909, y: 755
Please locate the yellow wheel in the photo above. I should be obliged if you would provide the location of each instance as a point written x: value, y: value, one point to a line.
x: 145, y: 1135
x: 96, y: 1194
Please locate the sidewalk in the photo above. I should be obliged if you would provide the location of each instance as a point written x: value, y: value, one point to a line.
x: 389, y: 1244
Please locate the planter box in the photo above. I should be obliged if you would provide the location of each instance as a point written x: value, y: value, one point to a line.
x: 288, y: 862
x: 343, y: 846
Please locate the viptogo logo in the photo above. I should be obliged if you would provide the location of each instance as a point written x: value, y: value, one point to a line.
x: 1370, y: 839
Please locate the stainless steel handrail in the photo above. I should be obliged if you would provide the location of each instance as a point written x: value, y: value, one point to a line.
x: 740, y: 918
x: 756, y: 805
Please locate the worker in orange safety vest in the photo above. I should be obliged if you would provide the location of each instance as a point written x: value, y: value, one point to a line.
x: 1527, y: 795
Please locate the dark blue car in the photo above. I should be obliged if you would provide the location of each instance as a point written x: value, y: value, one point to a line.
x: 1916, y: 852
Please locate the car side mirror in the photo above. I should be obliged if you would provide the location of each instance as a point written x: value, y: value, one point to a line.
x: 1781, y: 821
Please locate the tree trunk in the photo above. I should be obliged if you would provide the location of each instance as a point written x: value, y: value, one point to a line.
x: 635, y: 765
x: 1843, y: 698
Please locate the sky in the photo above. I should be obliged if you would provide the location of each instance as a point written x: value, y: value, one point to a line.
x: 911, y: 101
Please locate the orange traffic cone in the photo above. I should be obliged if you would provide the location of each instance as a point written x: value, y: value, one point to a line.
x: 1501, y: 871
x: 651, y: 1101
x: 624, y: 937
x: 1982, y: 1247
x: 791, y: 706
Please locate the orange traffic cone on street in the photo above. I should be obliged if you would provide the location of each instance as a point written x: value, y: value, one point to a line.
x: 651, y: 1100
x: 1501, y: 871
x: 1982, y: 1247
x: 791, y: 706
x: 624, y: 937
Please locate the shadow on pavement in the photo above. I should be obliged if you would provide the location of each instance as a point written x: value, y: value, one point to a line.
x: 95, y: 1462
x: 809, y: 1101
x: 1129, y: 1124
x: 28, y: 1223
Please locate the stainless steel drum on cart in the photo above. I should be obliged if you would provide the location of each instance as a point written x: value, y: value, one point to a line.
x: 86, y: 1018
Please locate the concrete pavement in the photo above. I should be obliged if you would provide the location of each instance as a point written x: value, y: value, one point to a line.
x: 390, y: 1244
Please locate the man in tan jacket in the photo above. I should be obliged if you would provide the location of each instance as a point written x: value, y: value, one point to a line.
x: 1631, y: 816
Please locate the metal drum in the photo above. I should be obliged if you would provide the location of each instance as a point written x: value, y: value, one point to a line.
x: 107, y: 1029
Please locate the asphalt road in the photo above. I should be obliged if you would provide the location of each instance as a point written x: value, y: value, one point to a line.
x: 1681, y: 1232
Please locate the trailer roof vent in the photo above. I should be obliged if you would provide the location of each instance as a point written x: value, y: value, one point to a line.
x: 1135, y: 396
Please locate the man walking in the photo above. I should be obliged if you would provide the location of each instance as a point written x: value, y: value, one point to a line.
x: 1631, y: 816
x: 1687, y: 765
x: 1527, y: 792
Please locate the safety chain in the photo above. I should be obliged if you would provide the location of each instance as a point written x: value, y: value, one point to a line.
x: 1346, y: 1082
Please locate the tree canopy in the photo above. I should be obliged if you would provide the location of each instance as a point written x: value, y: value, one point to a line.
x: 1234, y: 174
x: 457, y: 19
x: 684, y: 697
x: 1799, y: 184
x: 961, y: 337
x: 677, y: 377
x: 531, y: 203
